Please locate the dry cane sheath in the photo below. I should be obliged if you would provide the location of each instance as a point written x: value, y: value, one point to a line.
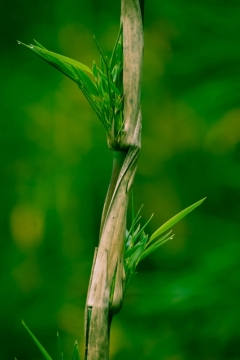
x: 106, y: 285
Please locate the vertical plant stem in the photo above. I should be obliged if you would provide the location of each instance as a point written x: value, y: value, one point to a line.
x: 107, y: 282
x: 118, y: 159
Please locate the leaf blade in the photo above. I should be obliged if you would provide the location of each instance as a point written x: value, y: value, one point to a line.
x: 54, y: 56
x: 152, y: 248
x: 175, y: 219
x: 41, y: 348
x: 75, y: 355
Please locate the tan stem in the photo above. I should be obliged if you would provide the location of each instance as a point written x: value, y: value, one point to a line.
x: 118, y: 159
x: 107, y: 281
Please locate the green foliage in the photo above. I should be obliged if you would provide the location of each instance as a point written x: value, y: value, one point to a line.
x: 174, y: 220
x: 75, y: 355
x: 41, y: 348
x: 137, y: 244
x: 188, y: 293
x: 102, y: 86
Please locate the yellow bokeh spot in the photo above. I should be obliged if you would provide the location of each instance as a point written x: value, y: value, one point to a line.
x: 119, y: 339
x: 224, y: 134
x: 70, y: 319
x: 27, y: 226
x: 27, y: 275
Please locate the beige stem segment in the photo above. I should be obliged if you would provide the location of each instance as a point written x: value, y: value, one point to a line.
x: 114, y: 228
x: 108, y: 268
x: 133, y: 44
x: 98, y: 337
x: 107, y: 281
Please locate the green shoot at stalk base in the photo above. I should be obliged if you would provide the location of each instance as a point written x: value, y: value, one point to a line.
x: 137, y: 244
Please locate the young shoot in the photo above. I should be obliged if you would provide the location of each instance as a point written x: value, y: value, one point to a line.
x: 102, y: 85
x: 138, y: 245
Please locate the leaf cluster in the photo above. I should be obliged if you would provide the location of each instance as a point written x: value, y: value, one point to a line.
x: 138, y: 245
x: 102, y: 85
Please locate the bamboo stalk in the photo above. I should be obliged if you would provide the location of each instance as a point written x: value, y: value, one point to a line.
x: 107, y: 282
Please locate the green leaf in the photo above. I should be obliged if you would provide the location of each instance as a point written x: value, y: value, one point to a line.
x: 65, y: 59
x: 134, y: 259
x: 135, y: 237
x: 115, y: 72
x: 102, y: 58
x: 60, y: 353
x: 117, y: 50
x: 132, y: 250
x: 107, y: 81
x: 88, y: 83
x: 38, y: 44
x: 94, y: 70
x: 41, y: 348
x: 155, y: 246
x: 174, y: 220
x: 135, y: 221
x: 63, y: 67
x: 75, y: 355
x: 102, y: 64
x: 132, y: 207
x: 53, y: 57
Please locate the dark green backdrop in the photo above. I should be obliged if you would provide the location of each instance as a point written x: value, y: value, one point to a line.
x: 184, y: 302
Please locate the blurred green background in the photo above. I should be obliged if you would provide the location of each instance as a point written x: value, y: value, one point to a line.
x: 55, y: 166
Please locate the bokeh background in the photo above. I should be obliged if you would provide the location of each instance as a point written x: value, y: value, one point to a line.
x: 184, y: 302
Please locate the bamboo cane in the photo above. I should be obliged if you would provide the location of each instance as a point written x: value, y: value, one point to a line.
x: 107, y: 280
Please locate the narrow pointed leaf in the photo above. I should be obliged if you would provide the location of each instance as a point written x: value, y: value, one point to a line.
x: 94, y: 70
x: 89, y: 84
x: 134, y: 259
x: 114, y: 73
x: 161, y: 239
x: 132, y: 207
x: 63, y: 67
x: 153, y: 247
x: 111, y: 84
x: 142, y: 229
x: 60, y: 353
x: 174, y: 220
x: 41, y: 348
x: 38, y: 44
x: 115, y: 50
x: 54, y: 56
x: 135, y: 221
x: 65, y: 59
x: 102, y: 64
x: 101, y: 53
x: 75, y: 355
x: 129, y: 252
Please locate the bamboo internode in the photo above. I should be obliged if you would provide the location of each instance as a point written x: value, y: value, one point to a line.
x: 107, y: 281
